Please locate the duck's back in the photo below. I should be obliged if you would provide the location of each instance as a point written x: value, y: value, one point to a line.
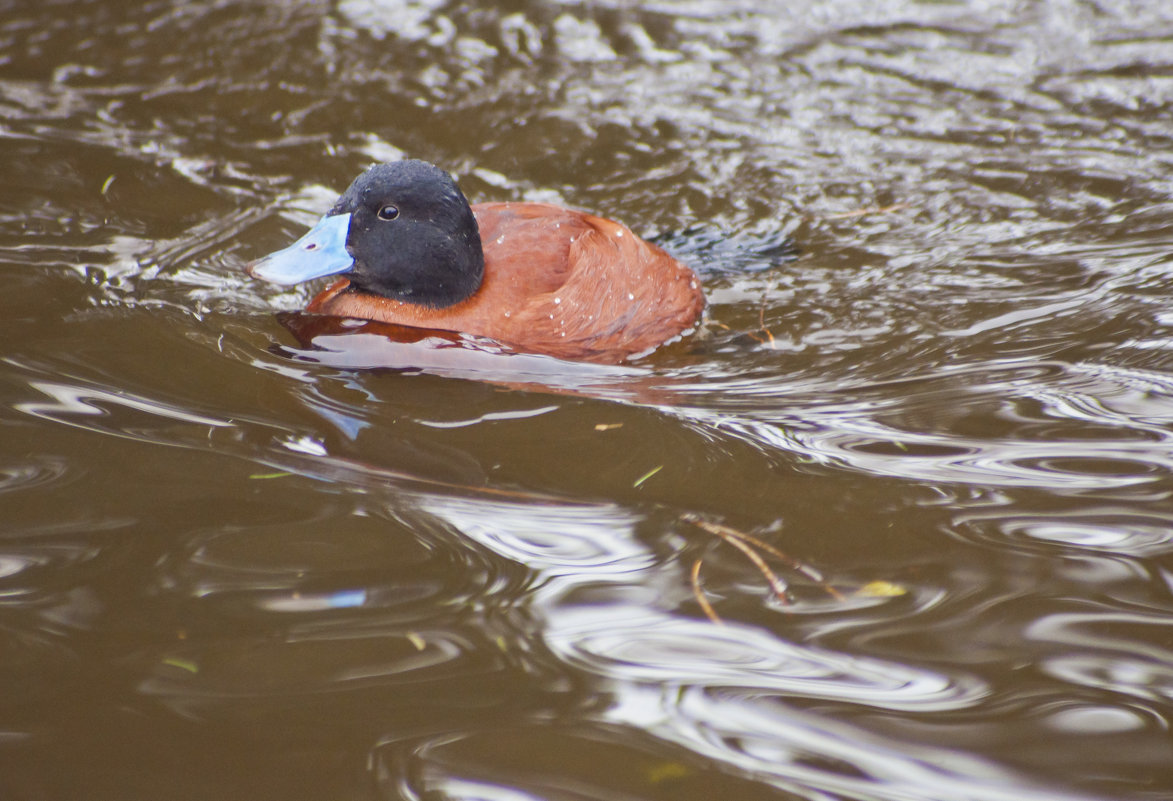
x: 558, y: 282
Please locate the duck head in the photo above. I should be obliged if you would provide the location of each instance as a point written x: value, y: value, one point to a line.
x: 402, y: 230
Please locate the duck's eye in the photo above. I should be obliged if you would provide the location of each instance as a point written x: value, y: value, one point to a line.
x: 388, y: 212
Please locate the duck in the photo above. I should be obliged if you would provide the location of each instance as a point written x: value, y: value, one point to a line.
x: 410, y: 251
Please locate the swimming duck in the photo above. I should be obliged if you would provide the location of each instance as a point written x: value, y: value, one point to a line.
x: 537, y: 277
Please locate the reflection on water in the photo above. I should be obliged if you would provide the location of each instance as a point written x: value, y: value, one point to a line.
x: 236, y: 565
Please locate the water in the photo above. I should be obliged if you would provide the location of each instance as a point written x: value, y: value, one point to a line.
x: 235, y: 566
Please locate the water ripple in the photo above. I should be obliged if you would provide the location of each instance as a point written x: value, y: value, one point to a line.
x: 73, y: 403
x: 722, y: 692
x: 641, y: 646
x: 1099, y: 528
x: 798, y: 750
x: 1112, y: 650
x: 576, y: 540
x: 36, y: 472
x: 385, y: 570
x: 318, y: 670
x: 1074, y: 427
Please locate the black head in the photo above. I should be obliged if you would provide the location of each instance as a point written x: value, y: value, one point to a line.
x: 412, y: 235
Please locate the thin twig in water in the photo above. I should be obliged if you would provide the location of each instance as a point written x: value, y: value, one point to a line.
x: 790, y: 561
x: 762, y: 327
x: 699, y: 594
x: 746, y: 543
x: 776, y: 584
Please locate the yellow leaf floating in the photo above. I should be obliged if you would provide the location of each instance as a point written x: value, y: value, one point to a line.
x: 881, y: 589
x: 182, y: 664
x: 668, y: 771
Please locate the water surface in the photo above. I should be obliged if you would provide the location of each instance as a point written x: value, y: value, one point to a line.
x: 232, y: 566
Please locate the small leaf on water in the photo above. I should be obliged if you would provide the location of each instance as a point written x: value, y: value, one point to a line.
x: 270, y: 475
x: 667, y: 771
x: 182, y: 664
x: 881, y: 589
x: 647, y: 475
x: 416, y: 640
x: 607, y: 426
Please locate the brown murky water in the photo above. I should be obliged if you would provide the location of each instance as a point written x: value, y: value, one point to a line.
x: 234, y: 568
